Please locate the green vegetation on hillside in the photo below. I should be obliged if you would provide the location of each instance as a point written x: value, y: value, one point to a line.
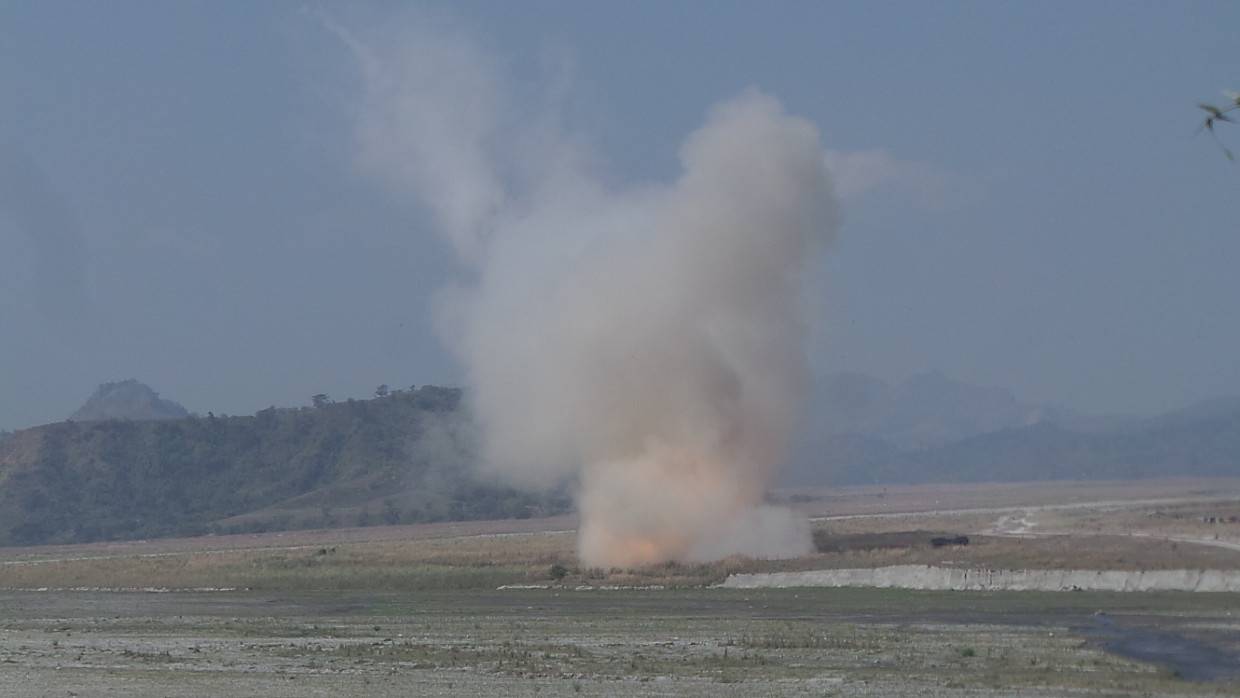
x: 403, y: 458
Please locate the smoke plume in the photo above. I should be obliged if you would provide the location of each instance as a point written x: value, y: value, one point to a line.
x: 643, y: 342
x: 30, y: 201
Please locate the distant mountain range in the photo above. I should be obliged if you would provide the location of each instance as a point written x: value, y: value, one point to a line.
x: 927, y: 410
x: 931, y: 428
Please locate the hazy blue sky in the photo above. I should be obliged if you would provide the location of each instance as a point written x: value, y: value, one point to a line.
x: 1027, y: 205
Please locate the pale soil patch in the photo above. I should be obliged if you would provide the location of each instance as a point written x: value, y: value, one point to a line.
x: 1217, y: 520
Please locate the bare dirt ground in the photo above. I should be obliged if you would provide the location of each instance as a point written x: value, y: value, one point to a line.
x: 701, y: 642
x: 415, y: 610
x: 1154, y: 525
x: 828, y: 504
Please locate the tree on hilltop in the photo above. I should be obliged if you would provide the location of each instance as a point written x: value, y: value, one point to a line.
x: 1216, y: 114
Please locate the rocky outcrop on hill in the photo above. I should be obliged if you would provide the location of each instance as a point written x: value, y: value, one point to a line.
x: 129, y: 400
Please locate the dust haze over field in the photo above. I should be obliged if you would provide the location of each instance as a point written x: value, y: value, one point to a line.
x: 643, y: 342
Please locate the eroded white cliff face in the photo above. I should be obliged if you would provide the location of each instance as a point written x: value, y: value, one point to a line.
x: 945, y: 578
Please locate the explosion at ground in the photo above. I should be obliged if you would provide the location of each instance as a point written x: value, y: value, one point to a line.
x: 644, y: 342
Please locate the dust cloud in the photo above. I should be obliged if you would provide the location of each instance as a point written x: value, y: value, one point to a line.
x: 643, y: 342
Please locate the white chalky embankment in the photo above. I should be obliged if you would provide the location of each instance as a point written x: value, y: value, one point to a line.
x: 948, y: 578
